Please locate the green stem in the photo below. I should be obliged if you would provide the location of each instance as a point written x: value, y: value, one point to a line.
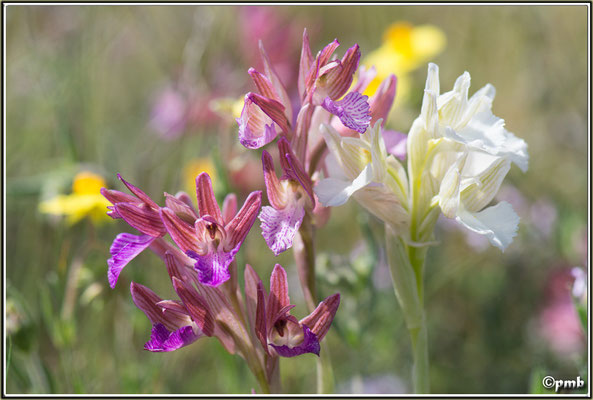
x: 304, y: 254
x: 325, y: 372
x: 406, y: 265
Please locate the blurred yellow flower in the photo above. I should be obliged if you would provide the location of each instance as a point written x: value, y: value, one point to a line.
x: 226, y: 106
x: 85, y: 200
x: 195, y: 167
x: 404, y: 48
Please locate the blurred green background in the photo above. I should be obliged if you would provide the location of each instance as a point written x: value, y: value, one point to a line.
x: 82, y: 87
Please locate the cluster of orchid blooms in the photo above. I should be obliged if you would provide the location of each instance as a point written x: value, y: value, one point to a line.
x: 331, y: 146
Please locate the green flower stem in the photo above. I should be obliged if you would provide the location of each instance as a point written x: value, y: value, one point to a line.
x: 406, y: 264
x: 325, y: 372
x: 304, y: 255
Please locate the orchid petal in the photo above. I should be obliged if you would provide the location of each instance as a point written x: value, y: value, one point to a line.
x: 139, y: 193
x: 382, y: 100
x: 195, y: 305
x: 147, y: 301
x: 335, y: 192
x: 161, y: 340
x: 125, y: 248
x: 240, y: 226
x: 353, y: 111
x: 321, y: 318
x: 273, y: 187
x: 279, y: 226
x: 182, y: 233
x: 207, y: 204
x: 499, y: 223
x: 310, y: 344
x: 305, y: 65
x: 274, y: 79
x: 396, y: 143
x: 256, y: 129
x: 278, y: 299
x: 142, y: 217
x: 229, y: 207
x: 213, y: 267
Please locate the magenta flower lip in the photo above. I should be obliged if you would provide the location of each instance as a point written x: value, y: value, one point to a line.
x: 208, y: 239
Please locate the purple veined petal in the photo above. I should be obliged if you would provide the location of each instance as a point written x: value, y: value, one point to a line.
x: 139, y: 193
x: 305, y: 65
x: 278, y: 298
x: 263, y: 84
x: 261, y: 329
x: 161, y: 340
x: 396, y: 143
x: 310, y: 344
x: 273, y: 109
x: 273, y: 187
x: 325, y: 54
x: 196, y: 305
x: 251, y: 282
x: 293, y: 168
x: 115, y: 196
x: 183, y: 234
x: 279, y: 227
x: 279, y: 88
x: 353, y: 111
x: 180, y: 208
x: 240, y: 226
x: 213, y: 267
x: 339, y: 80
x: 321, y: 318
x: 148, y: 302
x: 229, y: 207
x: 256, y: 129
x: 381, y: 102
x: 124, y: 248
x: 207, y: 204
x: 142, y: 217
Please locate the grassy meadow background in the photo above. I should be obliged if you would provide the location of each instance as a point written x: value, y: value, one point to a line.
x: 81, y: 84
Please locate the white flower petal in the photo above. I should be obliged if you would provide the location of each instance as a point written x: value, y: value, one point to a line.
x: 335, y: 192
x: 499, y: 223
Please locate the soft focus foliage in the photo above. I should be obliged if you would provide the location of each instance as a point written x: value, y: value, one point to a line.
x: 138, y: 90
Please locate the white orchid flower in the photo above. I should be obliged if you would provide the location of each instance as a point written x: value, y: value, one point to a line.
x: 465, y: 149
x: 361, y: 168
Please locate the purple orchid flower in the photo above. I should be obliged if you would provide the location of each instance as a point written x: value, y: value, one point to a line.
x: 172, y: 328
x: 267, y: 114
x: 214, y: 238
x: 287, y: 195
x: 275, y: 327
x: 322, y: 77
x: 140, y: 212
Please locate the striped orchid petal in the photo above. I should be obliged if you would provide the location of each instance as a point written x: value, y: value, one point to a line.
x: 163, y: 340
x: 353, y: 111
x: 124, y: 249
x: 256, y: 129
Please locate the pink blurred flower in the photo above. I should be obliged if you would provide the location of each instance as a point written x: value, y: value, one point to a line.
x: 558, y: 321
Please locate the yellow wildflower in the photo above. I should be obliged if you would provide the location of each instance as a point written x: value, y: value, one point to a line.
x: 404, y: 49
x: 85, y: 200
x: 196, y: 167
